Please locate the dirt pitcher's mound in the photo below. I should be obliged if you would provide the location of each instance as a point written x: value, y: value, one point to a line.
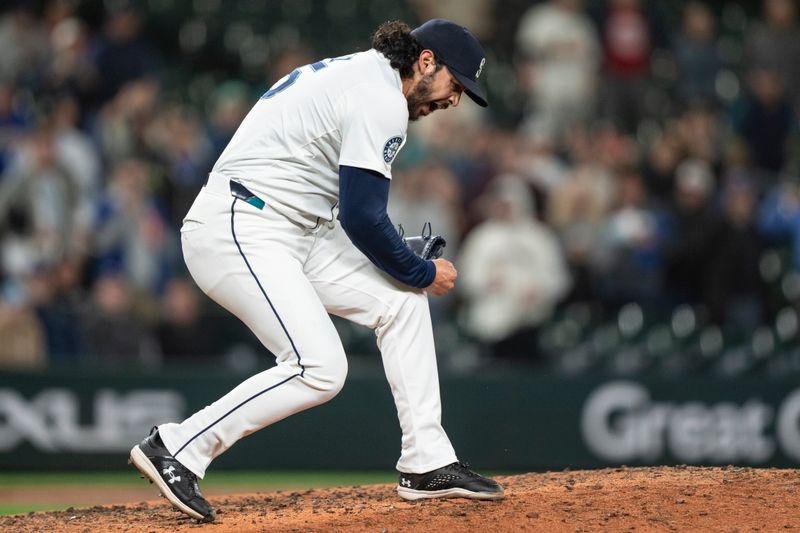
x: 622, y: 499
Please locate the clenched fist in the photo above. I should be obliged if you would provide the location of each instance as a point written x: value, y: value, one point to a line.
x: 445, y: 279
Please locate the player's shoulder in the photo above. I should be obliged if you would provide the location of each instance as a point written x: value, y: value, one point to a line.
x: 377, y: 84
x: 372, y: 71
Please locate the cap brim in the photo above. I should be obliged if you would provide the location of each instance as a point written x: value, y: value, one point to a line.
x: 471, y: 87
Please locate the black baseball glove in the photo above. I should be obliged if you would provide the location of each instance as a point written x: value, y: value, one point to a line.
x: 427, y: 246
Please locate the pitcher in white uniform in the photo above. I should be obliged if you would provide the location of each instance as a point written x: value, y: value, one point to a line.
x: 292, y: 226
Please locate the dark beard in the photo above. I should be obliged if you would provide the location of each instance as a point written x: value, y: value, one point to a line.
x: 420, y: 94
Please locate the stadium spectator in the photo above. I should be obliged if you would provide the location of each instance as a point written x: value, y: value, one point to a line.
x: 661, y: 160
x: 120, y: 125
x: 692, y: 224
x: 122, y: 55
x: 578, y: 210
x: 132, y: 236
x: 773, y: 44
x: 182, y: 334
x: 735, y: 291
x: 78, y: 154
x: 628, y: 43
x: 697, y: 56
x: 178, y: 141
x: 765, y: 120
x: 42, y: 186
x: 628, y: 265
x: 23, y: 44
x: 116, y: 336
x: 512, y: 273
x: 69, y: 67
x: 629, y: 36
x: 54, y: 293
x: 559, y: 66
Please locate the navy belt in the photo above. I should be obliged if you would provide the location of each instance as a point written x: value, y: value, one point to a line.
x: 243, y: 193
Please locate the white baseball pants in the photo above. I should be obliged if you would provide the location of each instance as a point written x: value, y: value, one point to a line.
x: 282, y: 282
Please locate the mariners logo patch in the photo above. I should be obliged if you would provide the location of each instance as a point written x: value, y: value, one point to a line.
x: 391, y: 148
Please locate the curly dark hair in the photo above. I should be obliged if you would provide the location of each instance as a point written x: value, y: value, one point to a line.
x: 394, y: 40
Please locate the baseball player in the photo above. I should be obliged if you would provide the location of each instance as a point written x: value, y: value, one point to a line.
x: 292, y: 225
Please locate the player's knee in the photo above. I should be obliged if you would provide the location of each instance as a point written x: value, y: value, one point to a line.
x: 336, y: 378
x: 329, y: 379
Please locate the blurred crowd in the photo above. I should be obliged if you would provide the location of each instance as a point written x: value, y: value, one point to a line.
x: 633, y: 152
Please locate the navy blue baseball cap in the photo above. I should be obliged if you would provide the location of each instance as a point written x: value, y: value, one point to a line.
x: 460, y: 52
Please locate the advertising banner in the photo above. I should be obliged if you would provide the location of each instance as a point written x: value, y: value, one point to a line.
x: 65, y: 421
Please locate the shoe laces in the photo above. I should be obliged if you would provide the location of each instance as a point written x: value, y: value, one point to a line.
x: 192, y: 478
x: 463, y: 468
x: 193, y: 483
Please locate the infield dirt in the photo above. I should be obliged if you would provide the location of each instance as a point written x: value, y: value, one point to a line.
x: 623, y: 499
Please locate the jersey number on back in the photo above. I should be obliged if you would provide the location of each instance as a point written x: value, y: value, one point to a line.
x: 289, y: 80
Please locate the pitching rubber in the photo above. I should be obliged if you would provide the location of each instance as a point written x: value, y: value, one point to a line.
x: 143, y: 464
x: 412, y: 494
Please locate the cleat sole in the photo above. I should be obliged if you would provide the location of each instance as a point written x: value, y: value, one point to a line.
x: 413, y: 494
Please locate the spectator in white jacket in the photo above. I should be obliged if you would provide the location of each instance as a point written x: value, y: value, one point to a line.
x: 512, y: 273
x: 558, y: 66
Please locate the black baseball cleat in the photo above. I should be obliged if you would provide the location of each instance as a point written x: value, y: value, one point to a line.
x: 452, y: 481
x: 175, y: 481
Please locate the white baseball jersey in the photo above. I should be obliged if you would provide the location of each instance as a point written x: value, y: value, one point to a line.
x: 342, y: 111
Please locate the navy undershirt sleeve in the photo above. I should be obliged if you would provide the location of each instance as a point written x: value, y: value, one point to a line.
x: 363, y: 195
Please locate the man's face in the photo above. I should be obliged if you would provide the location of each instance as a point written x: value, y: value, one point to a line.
x: 435, y: 90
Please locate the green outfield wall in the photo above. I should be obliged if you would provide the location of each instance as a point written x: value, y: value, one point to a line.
x: 90, y: 420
